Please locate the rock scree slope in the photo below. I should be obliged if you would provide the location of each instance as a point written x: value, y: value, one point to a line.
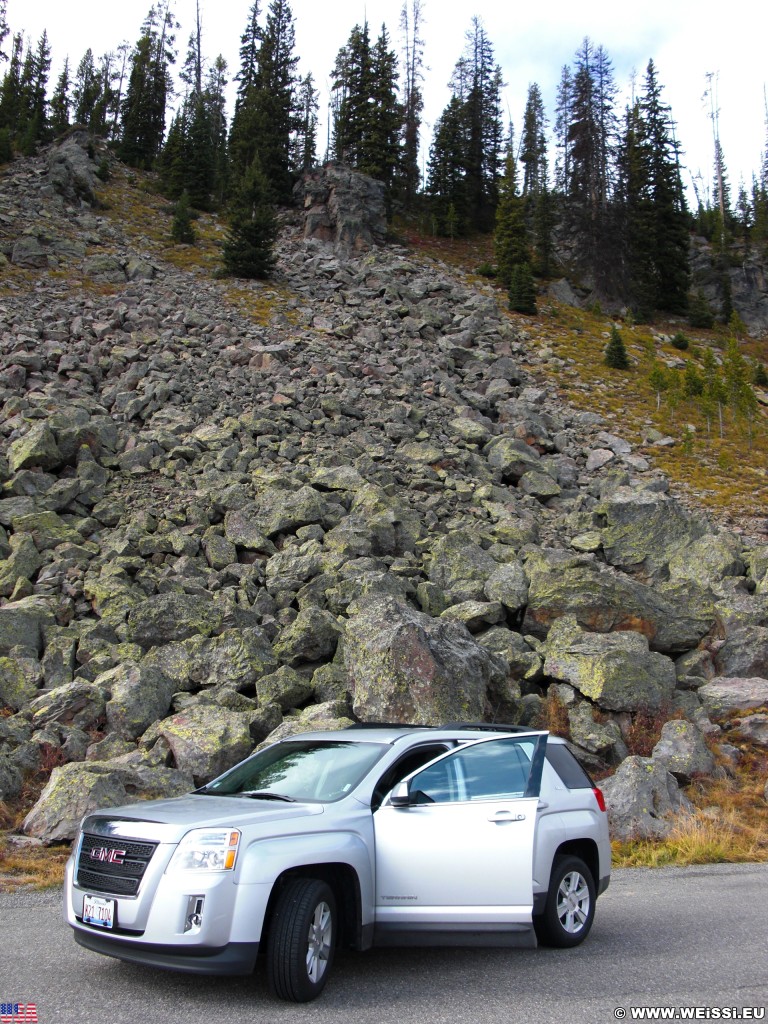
x: 218, y: 529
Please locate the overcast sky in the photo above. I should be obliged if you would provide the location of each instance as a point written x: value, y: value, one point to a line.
x: 532, y: 41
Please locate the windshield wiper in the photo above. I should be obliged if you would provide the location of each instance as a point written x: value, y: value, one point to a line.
x: 265, y: 794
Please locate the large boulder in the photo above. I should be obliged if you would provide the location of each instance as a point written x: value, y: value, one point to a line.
x: 22, y: 624
x: 683, y: 751
x: 674, y: 617
x: 343, y: 207
x: 644, y: 530
x: 407, y: 667
x: 206, y: 740
x: 235, y: 659
x: 138, y: 697
x: 642, y: 799
x: 744, y: 653
x: 77, y: 789
x: 163, y: 618
x: 617, y: 671
x: 70, y: 168
x: 725, y: 695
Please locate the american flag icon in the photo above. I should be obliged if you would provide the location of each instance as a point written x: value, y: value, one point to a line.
x: 18, y: 1013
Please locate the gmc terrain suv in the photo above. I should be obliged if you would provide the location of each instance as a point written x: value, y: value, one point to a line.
x: 391, y: 835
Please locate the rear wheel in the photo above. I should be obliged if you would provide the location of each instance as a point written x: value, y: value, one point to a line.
x: 570, y: 906
x: 302, y: 939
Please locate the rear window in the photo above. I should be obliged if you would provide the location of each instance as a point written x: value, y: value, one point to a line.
x: 567, y: 767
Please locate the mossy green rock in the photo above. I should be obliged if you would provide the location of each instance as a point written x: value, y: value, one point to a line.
x: 206, y: 740
x: 47, y: 530
x: 509, y: 585
x: 236, y: 658
x: 707, y: 560
x: 162, y: 618
x: 138, y: 697
x: 407, y: 667
x: 642, y: 799
x: 683, y: 751
x: 80, y: 703
x: 77, y: 789
x: 19, y: 681
x: 461, y: 567
x: 312, y: 636
x: 674, y: 616
x: 22, y: 623
x: 644, y: 530
x: 616, y: 671
x: 285, y: 687
x: 22, y: 564
x: 512, y: 457
x: 36, y: 448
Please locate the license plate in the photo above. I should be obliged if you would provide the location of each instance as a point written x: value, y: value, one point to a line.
x: 98, y: 911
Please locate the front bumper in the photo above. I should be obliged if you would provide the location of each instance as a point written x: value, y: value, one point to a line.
x: 234, y: 958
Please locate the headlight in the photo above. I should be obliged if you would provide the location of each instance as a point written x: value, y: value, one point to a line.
x: 206, y: 849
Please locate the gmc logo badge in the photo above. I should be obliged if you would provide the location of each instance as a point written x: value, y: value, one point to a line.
x: 110, y: 856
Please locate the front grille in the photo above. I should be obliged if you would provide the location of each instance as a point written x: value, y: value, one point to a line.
x: 112, y: 865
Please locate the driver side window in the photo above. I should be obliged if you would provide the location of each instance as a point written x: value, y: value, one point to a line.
x: 495, y: 770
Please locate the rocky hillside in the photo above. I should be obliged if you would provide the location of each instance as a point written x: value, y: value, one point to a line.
x: 349, y: 494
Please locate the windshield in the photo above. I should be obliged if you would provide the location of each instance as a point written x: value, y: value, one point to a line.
x: 301, y: 770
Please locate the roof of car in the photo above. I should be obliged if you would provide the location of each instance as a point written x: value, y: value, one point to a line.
x: 375, y: 732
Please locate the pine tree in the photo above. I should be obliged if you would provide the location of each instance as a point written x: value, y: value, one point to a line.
x: 615, y: 351
x: 466, y: 157
x: 10, y: 92
x: 182, y: 229
x: 304, y: 141
x: 522, y: 290
x: 4, y: 30
x: 533, y: 145
x: 249, y: 248
x: 446, y: 185
x: 367, y: 116
x: 409, y: 176
x: 61, y: 103
x: 591, y: 141
x: 32, y: 125
x: 510, y: 238
x: 86, y: 91
x: 264, y: 115
x: 149, y: 87
x: 215, y: 102
x: 562, y: 130
x: 671, y: 244
x: 352, y: 85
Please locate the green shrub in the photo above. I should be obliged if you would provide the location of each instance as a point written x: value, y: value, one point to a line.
x: 680, y: 341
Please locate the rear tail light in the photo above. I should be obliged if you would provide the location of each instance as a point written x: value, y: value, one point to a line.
x: 599, y: 797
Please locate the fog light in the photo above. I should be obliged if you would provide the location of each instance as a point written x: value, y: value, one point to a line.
x: 194, y: 918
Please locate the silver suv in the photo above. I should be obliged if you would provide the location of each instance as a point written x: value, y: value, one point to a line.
x: 391, y: 835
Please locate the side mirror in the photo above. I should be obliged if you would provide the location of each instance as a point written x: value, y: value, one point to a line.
x: 400, y: 797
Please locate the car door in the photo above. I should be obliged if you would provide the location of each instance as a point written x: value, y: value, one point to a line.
x: 454, y: 842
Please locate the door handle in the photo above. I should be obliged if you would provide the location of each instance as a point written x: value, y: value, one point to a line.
x: 505, y: 817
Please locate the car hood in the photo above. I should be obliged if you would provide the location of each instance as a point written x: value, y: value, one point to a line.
x: 166, y: 821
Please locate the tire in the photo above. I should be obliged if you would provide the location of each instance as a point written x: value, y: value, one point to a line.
x: 570, y: 907
x: 302, y: 939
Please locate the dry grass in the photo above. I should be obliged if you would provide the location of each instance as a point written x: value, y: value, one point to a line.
x: 31, y: 866
x: 729, y: 823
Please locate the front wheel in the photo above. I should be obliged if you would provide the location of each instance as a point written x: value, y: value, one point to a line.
x: 570, y: 907
x: 302, y: 940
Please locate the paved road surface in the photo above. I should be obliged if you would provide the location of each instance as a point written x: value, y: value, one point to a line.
x: 669, y: 937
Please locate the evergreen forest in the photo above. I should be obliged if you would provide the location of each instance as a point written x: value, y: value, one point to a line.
x: 588, y: 186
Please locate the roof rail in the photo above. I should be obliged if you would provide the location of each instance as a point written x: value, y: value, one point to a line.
x: 489, y: 727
